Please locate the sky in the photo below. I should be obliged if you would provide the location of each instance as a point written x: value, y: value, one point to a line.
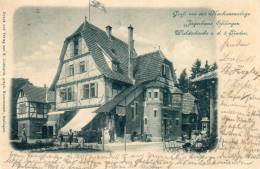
x: 39, y: 34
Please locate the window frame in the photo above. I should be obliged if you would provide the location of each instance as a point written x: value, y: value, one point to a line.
x: 71, y: 70
x: 82, y: 64
x: 156, y: 94
x: 155, y: 113
x: 66, y: 91
x: 76, y: 46
x: 145, y: 121
x: 149, y: 94
x: 91, y: 93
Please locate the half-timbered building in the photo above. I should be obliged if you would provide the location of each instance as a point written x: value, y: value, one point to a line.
x: 101, y: 81
x: 33, y: 104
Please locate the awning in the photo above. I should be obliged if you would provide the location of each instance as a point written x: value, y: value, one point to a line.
x: 51, y: 123
x: 80, y: 120
x: 55, y: 112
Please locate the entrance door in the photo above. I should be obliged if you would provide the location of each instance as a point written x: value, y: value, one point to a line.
x: 120, y: 124
x: 44, y: 131
x: 50, y: 131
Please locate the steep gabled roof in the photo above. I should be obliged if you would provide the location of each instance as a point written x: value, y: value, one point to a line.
x: 148, y: 66
x: 37, y: 94
x: 97, y: 40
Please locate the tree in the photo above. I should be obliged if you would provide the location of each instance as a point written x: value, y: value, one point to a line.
x: 213, y: 67
x: 196, y: 69
x: 184, y: 81
x: 206, y: 67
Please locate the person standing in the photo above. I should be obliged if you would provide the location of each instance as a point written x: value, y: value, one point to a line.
x: 24, y: 136
x: 61, y: 138
x: 70, y: 136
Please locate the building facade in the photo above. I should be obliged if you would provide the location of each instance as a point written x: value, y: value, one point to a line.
x: 33, y: 104
x: 106, y: 84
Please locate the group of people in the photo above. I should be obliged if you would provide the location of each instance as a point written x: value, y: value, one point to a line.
x: 70, y: 137
x: 109, y: 136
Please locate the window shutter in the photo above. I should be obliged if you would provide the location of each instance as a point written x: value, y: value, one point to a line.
x: 82, y: 92
x: 96, y: 89
x: 73, y: 93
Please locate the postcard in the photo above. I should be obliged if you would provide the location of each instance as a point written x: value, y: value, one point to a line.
x: 89, y: 84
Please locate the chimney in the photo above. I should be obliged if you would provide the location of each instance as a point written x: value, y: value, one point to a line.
x: 130, y: 52
x: 85, y: 22
x: 109, y: 31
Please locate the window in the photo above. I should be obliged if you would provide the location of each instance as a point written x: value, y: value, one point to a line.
x: 136, y: 105
x: 86, y: 91
x: 63, y: 94
x: 40, y: 108
x: 133, y: 112
x: 166, y: 98
x: 177, y: 121
x: 66, y: 94
x: 166, y: 71
x: 71, y: 70
x: 90, y: 90
x: 76, y: 46
x: 69, y: 93
x: 150, y: 94
x: 82, y: 67
x: 22, y: 94
x: 155, y: 94
x: 145, y: 120
x: 115, y: 67
x: 163, y: 70
x: 155, y: 113
x: 22, y: 108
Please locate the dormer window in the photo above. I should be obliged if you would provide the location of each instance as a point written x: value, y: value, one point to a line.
x: 76, y: 46
x: 166, y: 71
x: 115, y: 67
x: 22, y: 94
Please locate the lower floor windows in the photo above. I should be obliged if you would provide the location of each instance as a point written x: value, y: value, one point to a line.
x: 90, y: 90
x: 155, y: 113
x: 66, y: 94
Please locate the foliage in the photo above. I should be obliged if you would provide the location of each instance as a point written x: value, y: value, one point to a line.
x: 183, y: 81
x: 196, y: 69
x: 199, y: 90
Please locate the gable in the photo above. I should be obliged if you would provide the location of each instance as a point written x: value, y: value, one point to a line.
x: 71, y: 48
x: 36, y: 94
